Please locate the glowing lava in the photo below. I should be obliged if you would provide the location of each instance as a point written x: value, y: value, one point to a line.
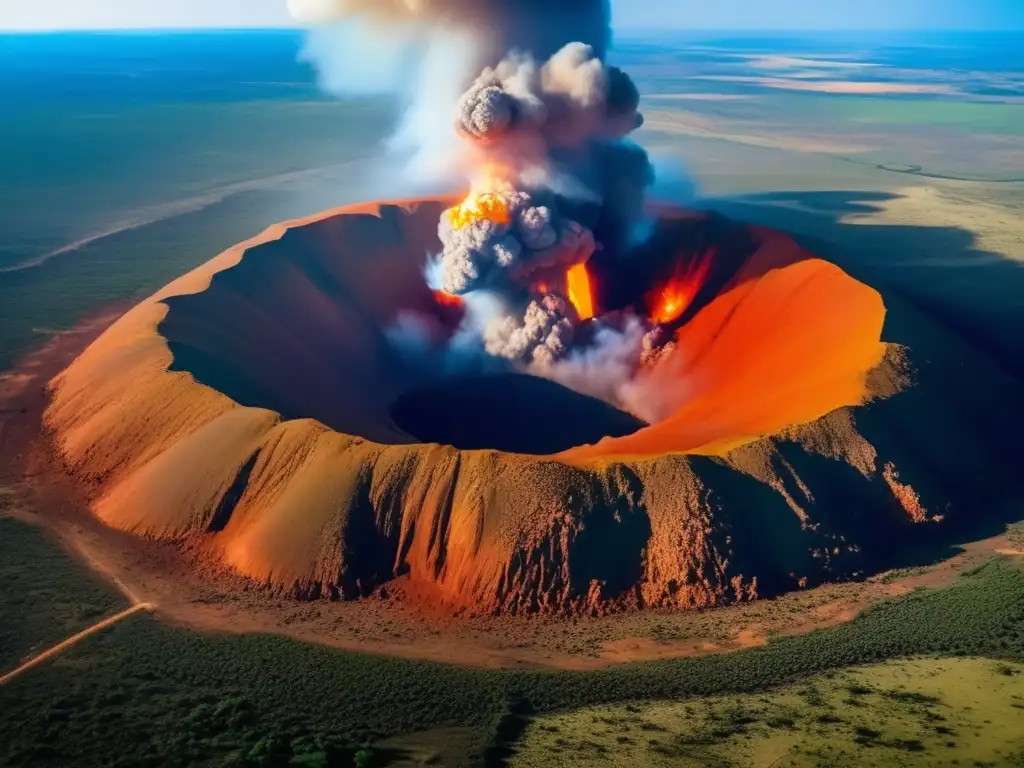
x: 484, y: 201
x: 668, y: 303
x: 478, y: 207
x: 445, y: 299
x: 577, y: 281
x: 789, y: 341
x: 450, y: 310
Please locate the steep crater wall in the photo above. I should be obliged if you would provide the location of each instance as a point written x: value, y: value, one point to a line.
x: 257, y: 405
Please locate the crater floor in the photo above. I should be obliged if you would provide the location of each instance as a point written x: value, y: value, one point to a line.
x: 257, y: 406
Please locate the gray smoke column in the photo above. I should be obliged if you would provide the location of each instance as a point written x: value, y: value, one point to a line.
x: 571, y: 98
x: 540, y: 27
x: 541, y: 337
x: 427, y: 52
x: 517, y: 97
x: 547, y: 141
x: 536, y: 118
x: 520, y: 238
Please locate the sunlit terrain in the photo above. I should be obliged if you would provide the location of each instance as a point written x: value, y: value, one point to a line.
x: 847, y: 429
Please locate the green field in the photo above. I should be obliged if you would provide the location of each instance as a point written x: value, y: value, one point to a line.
x: 112, y: 163
x: 1015, y: 534
x: 918, y: 712
x: 1006, y: 119
x: 39, y: 612
x: 37, y: 302
x: 162, y: 188
x: 142, y: 693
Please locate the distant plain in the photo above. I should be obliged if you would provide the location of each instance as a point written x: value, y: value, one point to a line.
x: 136, y: 157
x: 132, y: 158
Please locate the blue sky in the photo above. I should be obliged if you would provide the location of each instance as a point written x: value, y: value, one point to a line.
x: 685, y: 14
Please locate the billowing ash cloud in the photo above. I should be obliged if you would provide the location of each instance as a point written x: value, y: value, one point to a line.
x: 570, y: 99
x: 619, y: 366
x: 428, y: 51
x: 537, y: 125
x: 518, y: 98
x: 538, y: 26
x: 548, y: 119
x: 532, y: 125
x: 515, y: 241
x: 603, y: 368
x: 542, y: 336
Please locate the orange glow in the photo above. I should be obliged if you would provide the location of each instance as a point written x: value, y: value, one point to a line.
x: 669, y: 302
x: 484, y: 201
x: 542, y: 288
x: 446, y: 299
x: 789, y: 340
x: 577, y: 281
x: 450, y: 309
x: 477, y: 207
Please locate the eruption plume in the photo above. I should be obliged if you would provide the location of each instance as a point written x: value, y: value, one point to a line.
x: 542, y: 131
x: 428, y: 51
x: 538, y: 129
x: 538, y: 26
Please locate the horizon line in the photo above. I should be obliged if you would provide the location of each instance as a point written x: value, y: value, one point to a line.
x: 640, y: 30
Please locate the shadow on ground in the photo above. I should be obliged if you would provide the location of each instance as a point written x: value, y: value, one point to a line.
x: 941, y: 270
x: 508, y: 412
x: 959, y: 310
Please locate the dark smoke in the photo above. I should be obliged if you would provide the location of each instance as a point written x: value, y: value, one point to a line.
x: 534, y: 125
x: 517, y: 98
x: 427, y: 52
x: 540, y: 27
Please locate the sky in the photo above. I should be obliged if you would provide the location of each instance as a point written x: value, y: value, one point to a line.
x: 654, y: 14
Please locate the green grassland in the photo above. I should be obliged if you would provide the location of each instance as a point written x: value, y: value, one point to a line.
x: 43, y: 601
x: 35, y: 303
x: 834, y: 112
x: 84, y: 168
x: 917, y: 712
x: 142, y: 693
x: 1005, y: 119
x: 1015, y: 533
x: 205, y: 175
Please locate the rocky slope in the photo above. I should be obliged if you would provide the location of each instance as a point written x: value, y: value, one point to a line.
x: 247, y: 407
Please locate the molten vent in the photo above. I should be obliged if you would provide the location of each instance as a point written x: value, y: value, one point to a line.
x: 478, y: 207
x: 445, y: 299
x: 577, y: 281
x: 668, y: 303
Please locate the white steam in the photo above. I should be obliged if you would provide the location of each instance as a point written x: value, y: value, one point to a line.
x: 521, y: 88
x: 541, y: 337
x: 424, y: 67
x: 603, y: 368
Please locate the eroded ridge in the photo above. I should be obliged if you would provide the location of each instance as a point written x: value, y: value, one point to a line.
x: 249, y: 406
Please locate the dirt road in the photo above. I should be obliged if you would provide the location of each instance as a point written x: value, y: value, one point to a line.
x: 67, y: 643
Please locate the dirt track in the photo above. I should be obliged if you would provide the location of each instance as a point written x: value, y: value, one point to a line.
x: 65, y: 644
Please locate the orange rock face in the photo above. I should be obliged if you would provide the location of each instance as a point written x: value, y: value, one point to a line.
x: 248, y: 405
x: 789, y: 339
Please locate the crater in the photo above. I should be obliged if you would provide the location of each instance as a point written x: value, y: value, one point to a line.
x: 261, y: 406
x: 511, y: 412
